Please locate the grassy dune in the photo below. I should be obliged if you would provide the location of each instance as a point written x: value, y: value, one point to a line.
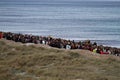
x: 39, y: 62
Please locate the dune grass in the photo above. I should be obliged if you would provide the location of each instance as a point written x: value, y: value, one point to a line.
x: 21, y: 62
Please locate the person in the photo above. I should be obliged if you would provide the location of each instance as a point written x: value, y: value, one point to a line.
x: 68, y: 46
x: 1, y: 35
x: 95, y: 50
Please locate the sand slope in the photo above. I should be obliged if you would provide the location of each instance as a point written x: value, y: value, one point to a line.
x: 40, y: 62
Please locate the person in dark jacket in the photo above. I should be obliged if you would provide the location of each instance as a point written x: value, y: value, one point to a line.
x: 1, y: 35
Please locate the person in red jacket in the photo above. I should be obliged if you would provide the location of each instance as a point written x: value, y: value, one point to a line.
x: 1, y: 35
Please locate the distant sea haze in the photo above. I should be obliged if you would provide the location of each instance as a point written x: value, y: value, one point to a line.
x: 74, y: 20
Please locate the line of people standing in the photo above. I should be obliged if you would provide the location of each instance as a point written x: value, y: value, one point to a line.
x: 60, y: 43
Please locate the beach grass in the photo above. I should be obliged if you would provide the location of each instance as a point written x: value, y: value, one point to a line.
x: 38, y: 62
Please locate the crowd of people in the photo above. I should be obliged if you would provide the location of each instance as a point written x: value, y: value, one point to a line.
x: 61, y: 43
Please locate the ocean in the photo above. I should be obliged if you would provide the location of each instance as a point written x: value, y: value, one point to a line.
x: 69, y: 19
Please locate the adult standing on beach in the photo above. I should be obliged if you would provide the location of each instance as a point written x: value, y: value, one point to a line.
x: 1, y: 35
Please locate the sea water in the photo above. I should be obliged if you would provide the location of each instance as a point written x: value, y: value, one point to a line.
x: 69, y: 19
